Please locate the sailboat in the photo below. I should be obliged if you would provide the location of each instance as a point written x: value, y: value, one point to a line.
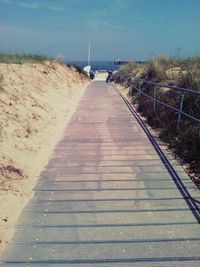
x: 88, y: 67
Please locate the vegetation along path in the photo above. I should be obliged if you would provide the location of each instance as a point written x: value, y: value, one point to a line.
x: 107, y: 197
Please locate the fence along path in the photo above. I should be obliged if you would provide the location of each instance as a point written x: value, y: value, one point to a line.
x: 105, y: 198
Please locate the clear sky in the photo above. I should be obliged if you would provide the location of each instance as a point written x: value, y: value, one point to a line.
x: 117, y: 29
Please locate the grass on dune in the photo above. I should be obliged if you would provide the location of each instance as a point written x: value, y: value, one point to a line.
x: 167, y: 70
x: 16, y: 58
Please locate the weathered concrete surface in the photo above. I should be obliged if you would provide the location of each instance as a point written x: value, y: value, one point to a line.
x: 105, y: 198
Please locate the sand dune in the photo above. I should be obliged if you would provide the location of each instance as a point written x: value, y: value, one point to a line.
x: 36, y: 102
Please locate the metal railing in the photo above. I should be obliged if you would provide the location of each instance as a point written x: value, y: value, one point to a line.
x: 179, y: 110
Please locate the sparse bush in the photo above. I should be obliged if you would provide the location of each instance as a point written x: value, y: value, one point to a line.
x: 189, y: 80
x: 78, y: 69
x: 129, y: 73
x: 157, y: 68
x: 190, y: 64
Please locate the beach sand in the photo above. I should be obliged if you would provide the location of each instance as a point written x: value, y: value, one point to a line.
x: 36, y: 103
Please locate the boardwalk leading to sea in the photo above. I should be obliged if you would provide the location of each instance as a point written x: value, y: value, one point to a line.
x: 105, y: 198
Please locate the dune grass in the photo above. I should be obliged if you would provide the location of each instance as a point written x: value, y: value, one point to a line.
x: 21, y: 58
x: 183, y: 73
x: 15, y: 58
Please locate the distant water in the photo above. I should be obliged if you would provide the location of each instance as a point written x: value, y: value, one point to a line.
x: 97, y: 65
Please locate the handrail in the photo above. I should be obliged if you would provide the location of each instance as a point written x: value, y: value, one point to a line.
x: 193, y: 203
x: 179, y: 111
x: 173, y: 87
x: 168, y: 106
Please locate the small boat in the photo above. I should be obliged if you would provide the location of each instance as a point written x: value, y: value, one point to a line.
x: 121, y: 62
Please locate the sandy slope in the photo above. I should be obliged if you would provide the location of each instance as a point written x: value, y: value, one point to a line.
x: 36, y: 102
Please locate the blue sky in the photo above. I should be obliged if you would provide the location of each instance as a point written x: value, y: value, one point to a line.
x: 117, y: 29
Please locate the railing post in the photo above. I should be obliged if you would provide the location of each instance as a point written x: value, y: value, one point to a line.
x: 139, y: 89
x: 154, y: 98
x: 180, y: 110
x: 130, y: 91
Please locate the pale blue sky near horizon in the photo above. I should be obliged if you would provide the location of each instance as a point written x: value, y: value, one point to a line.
x: 116, y: 29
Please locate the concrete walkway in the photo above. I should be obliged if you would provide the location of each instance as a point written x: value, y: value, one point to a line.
x: 105, y: 198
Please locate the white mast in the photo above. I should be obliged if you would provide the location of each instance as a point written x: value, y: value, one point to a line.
x: 88, y: 67
x: 89, y: 55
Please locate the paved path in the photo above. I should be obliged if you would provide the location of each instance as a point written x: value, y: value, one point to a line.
x: 105, y: 198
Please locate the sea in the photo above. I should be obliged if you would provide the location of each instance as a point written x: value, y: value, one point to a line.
x: 97, y: 65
